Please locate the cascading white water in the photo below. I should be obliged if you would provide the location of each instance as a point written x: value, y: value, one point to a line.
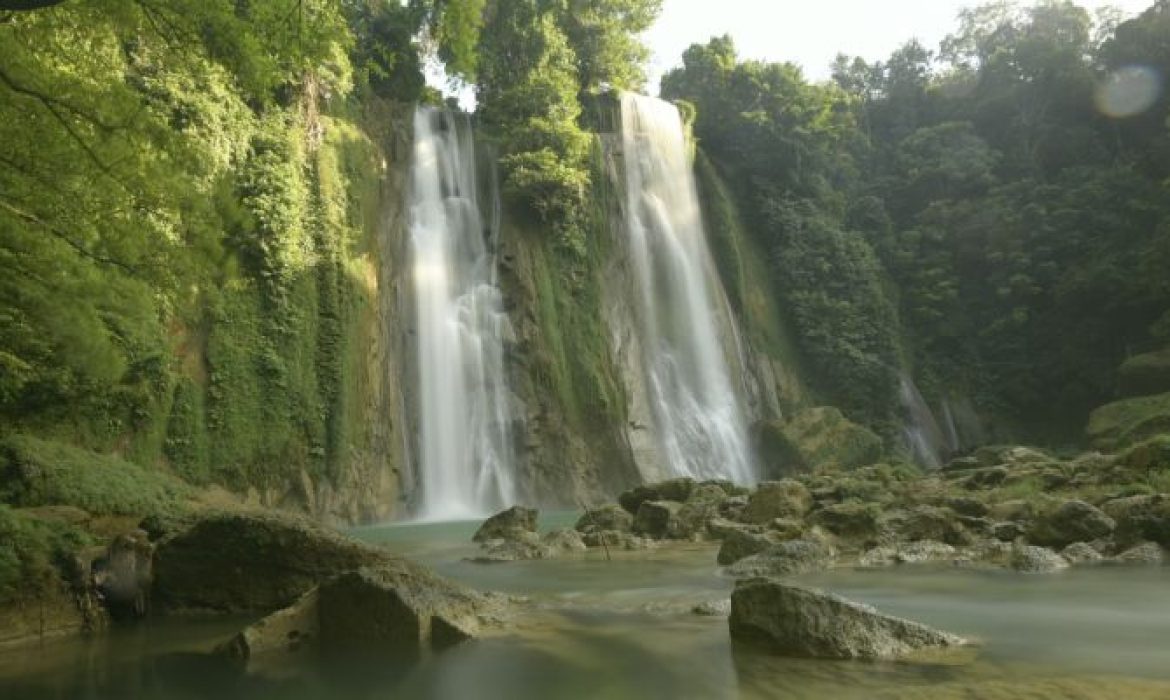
x: 924, y: 438
x: 699, y: 420
x: 464, y: 446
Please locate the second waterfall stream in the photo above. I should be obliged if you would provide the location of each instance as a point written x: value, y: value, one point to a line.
x: 465, y: 457
x: 699, y: 421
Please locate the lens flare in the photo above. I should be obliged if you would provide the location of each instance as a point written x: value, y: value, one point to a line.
x: 1128, y: 91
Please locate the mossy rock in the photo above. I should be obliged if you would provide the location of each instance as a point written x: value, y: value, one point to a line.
x: 816, y: 437
x: 1120, y: 424
x: 1146, y: 374
x: 36, y: 472
x: 255, y: 561
x: 1148, y: 456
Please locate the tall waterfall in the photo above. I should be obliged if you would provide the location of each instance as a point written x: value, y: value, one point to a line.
x: 699, y: 420
x: 464, y: 447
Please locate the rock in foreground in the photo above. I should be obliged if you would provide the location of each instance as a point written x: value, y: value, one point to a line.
x: 511, y: 524
x: 376, y: 611
x: 256, y: 561
x: 794, y: 621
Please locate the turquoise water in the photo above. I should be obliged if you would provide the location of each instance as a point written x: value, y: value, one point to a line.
x: 622, y: 628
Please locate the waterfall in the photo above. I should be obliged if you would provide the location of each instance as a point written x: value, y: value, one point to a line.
x: 923, y: 437
x: 464, y: 444
x: 699, y: 421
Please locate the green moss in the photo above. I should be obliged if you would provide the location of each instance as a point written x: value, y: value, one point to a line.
x: 743, y: 269
x: 816, y: 437
x: 1129, y: 421
x: 187, y: 446
x: 33, y: 553
x: 42, y: 473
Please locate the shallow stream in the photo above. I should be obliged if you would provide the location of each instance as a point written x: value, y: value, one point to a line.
x: 624, y: 629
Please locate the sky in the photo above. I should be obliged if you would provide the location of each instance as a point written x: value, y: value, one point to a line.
x: 811, y: 32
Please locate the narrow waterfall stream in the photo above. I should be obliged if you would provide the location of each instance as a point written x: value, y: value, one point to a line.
x: 464, y: 446
x: 699, y: 420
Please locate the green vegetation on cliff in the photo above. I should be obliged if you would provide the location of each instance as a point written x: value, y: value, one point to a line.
x: 189, y: 211
x: 981, y: 216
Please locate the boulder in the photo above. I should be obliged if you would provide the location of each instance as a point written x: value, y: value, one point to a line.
x: 740, y: 543
x: 381, y: 610
x: 654, y: 518
x: 1117, y: 425
x: 919, y: 552
x: 785, y: 559
x: 291, y: 631
x: 254, y: 561
x: 850, y: 520
x: 988, y: 551
x: 1144, y: 518
x: 520, y: 547
x: 730, y: 488
x: 1036, y: 560
x: 677, y: 490
x: 1007, y: 531
x: 733, y: 507
x: 720, y: 528
x: 777, y: 499
x: 563, y: 540
x: 925, y: 523
x: 1071, y: 521
x: 607, y: 517
x: 1145, y: 374
x: 786, y: 528
x: 794, y: 621
x: 370, y: 611
x: 1080, y: 553
x: 508, y: 524
x: 690, y: 522
x: 1146, y: 553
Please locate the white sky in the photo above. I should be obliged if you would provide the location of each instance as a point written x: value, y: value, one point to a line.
x: 811, y: 32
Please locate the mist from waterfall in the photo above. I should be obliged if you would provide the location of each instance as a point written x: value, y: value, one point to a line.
x: 465, y: 454
x: 699, y: 420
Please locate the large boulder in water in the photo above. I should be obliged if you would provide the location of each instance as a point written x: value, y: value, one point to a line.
x: 383, y: 609
x: 786, y: 498
x: 1071, y: 521
x: 514, y: 523
x: 794, y: 621
x: 254, y: 561
x: 370, y: 611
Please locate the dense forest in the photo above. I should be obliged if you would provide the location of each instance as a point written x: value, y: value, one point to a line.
x: 983, y: 214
